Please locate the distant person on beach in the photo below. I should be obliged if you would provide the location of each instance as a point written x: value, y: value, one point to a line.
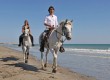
x: 26, y: 25
x: 51, y: 23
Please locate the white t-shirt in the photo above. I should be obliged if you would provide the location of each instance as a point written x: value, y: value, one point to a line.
x: 51, y: 20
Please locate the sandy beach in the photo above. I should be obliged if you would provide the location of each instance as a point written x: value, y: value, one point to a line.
x: 12, y: 67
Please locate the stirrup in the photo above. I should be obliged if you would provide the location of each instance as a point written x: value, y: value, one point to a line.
x: 32, y: 44
x: 61, y: 49
x: 41, y: 49
x: 19, y: 45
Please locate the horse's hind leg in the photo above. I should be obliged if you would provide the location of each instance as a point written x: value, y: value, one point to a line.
x: 45, y: 65
x: 54, y: 61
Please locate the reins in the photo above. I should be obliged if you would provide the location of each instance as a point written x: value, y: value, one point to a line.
x: 58, y: 38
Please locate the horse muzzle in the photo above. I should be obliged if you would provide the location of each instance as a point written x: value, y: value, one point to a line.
x: 68, y: 38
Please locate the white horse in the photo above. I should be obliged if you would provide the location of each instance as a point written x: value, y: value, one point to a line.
x: 55, y: 41
x: 26, y: 45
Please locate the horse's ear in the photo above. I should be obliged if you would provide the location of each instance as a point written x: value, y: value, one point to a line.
x: 66, y: 20
x: 71, y: 20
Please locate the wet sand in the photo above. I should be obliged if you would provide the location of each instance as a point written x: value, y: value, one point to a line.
x: 12, y: 67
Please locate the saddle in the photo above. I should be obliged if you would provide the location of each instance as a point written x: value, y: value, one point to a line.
x: 46, y: 35
x: 44, y: 38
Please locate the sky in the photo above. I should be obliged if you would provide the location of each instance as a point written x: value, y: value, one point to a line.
x: 91, y: 19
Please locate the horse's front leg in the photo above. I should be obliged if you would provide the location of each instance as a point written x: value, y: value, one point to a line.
x: 24, y: 56
x: 27, y: 55
x: 42, y: 62
x: 54, y: 61
x: 23, y: 53
x: 46, y: 58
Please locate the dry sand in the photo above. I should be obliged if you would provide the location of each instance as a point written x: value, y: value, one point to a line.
x: 12, y: 67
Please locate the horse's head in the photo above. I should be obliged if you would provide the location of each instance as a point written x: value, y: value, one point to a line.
x: 26, y: 32
x: 67, y: 29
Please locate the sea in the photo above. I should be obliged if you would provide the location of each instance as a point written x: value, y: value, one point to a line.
x: 87, y: 59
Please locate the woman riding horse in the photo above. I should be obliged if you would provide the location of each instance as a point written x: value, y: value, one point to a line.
x: 25, y: 26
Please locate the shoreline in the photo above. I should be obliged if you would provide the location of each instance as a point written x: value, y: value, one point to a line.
x: 12, y: 67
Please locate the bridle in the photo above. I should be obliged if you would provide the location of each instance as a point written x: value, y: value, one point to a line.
x: 60, y: 34
x: 26, y: 32
x: 63, y: 32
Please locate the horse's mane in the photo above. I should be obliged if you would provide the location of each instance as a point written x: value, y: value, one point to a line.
x: 62, y: 22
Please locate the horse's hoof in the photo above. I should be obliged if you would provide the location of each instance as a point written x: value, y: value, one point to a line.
x: 54, y: 71
x: 26, y: 61
x: 43, y: 69
x: 45, y: 65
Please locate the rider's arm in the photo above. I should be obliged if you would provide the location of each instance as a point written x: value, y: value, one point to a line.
x: 29, y: 30
x: 56, y: 22
x: 49, y: 26
x: 23, y: 29
x: 46, y: 22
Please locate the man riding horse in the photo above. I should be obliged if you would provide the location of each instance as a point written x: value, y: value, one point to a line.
x: 25, y: 26
x: 51, y: 23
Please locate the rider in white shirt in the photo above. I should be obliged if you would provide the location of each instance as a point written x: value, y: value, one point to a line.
x: 50, y: 22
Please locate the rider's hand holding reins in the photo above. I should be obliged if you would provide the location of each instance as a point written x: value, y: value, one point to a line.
x: 51, y: 27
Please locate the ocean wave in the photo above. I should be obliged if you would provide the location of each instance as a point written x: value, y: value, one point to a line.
x: 105, y: 51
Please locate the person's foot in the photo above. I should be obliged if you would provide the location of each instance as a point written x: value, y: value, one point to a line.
x: 42, y: 49
x: 62, y: 49
x: 19, y: 45
x: 32, y: 44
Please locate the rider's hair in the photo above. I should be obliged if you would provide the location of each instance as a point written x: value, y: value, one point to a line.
x: 51, y: 7
x: 25, y: 22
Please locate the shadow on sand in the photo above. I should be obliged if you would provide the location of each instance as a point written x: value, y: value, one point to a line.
x: 20, y: 64
x: 9, y: 59
x: 24, y: 66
